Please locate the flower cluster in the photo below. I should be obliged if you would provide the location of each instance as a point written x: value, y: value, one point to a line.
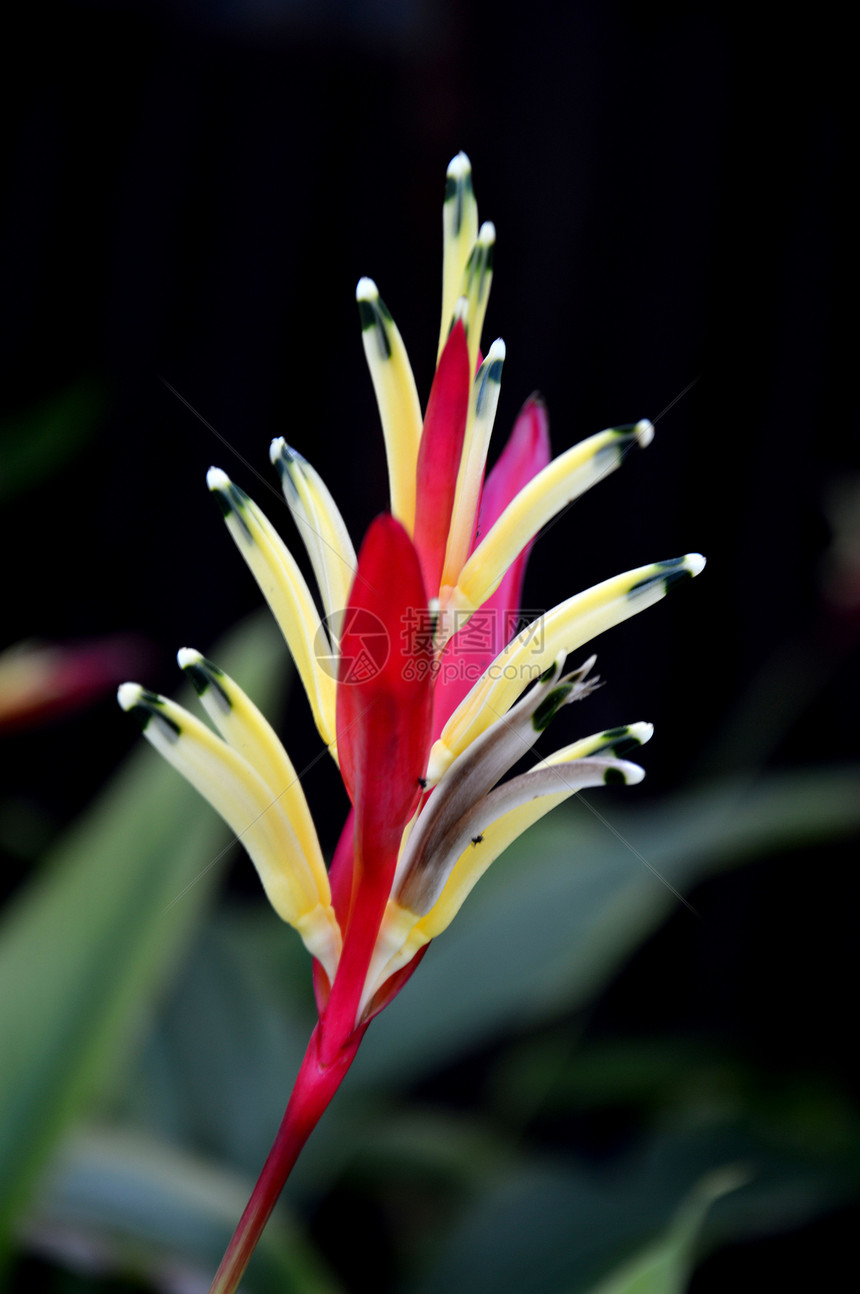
x: 423, y: 715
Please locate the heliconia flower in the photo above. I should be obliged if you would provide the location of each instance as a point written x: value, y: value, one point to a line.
x: 422, y: 682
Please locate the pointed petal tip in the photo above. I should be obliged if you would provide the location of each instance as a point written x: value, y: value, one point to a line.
x: 217, y: 480
x: 624, y: 773
x: 188, y: 657
x: 366, y: 290
x: 666, y: 575
x: 461, y: 313
x: 644, y: 432
x: 129, y: 695
x: 284, y: 458
x: 618, y: 741
x: 458, y: 166
x: 497, y: 351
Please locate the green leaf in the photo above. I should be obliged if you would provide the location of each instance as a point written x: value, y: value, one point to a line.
x: 88, y: 945
x: 664, y: 1267
x: 142, y: 1207
x: 550, y: 1226
x: 544, y: 1228
x: 216, y: 1070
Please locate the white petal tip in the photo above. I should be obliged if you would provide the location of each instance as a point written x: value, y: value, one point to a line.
x: 459, y: 166
x: 487, y: 233
x: 642, y: 732
x: 461, y: 311
x: 695, y: 563
x: 217, y: 480
x: 366, y: 290
x: 187, y: 656
x: 128, y: 695
x: 497, y: 351
x: 276, y: 448
x: 633, y: 774
x: 644, y: 432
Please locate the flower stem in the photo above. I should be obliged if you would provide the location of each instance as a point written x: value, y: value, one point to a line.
x: 315, y: 1086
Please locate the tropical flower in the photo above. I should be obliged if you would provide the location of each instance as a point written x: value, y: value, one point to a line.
x: 423, y: 685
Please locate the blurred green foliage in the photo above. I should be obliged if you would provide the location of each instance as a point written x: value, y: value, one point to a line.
x: 45, y: 437
x: 150, y: 1039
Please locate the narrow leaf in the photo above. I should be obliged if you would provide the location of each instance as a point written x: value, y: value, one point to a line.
x: 143, y: 1206
x: 89, y: 943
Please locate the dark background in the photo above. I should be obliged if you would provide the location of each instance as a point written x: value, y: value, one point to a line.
x: 192, y: 192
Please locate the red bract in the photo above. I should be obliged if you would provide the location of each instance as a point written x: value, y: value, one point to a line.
x: 463, y: 662
x: 440, y: 453
x: 383, y: 738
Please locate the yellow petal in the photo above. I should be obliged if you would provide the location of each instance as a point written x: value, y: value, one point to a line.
x: 479, y: 426
x: 426, y: 860
x: 244, y: 728
x: 561, y: 481
x: 564, y: 629
x: 322, y: 528
x: 475, y: 287
x: 494, y: 839
x: 297, y: 891
x: 612, y: 741
x: 286, y: 591
x: 395, y: 934
x: 396, y: 396
x: 402, y: 935
x: 459, y: 232
x: 404, y: 931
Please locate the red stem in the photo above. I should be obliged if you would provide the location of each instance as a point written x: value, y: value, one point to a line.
x: 315, y: 1086
x: 371, y: 890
